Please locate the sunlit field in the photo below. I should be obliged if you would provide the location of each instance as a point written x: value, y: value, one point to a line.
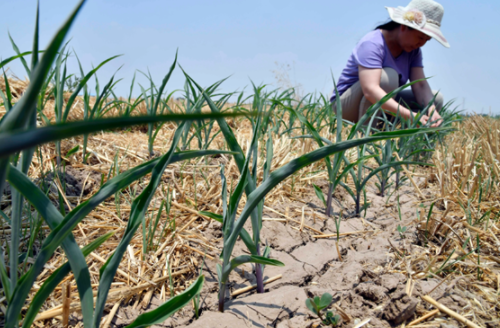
x: 247, y: 209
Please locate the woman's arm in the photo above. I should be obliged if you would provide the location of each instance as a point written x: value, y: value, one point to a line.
x: 421, y: 90
x: 369, y: 79
x: 423, y: 93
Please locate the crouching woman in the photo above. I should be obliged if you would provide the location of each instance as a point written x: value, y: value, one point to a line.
x: 386, y: 58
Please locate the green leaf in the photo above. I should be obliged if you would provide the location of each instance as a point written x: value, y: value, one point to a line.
x: 53, y: 217
x: 138, y: 210
x: 247, y: 239
x: 4, y: 277
x: 231, y: 140
x: 230, y: 214
x: 27, y: 155
x: 176, y: 303
x: 82, y: 83
x: 234, y: 200
x: 109, y: 188
x: 8, y: 60
x: 225, y: 214
x: 242, y: 164
x: 26, y: 105
x: 218, y: 267
x: 386, y: 166
x: 15, y: 141
x: 245, y: 236
x: 319, y: 193
x: 311, y: 306
x: 216, y: 217
x: 34, y: 57
x: 5, y: 217
x: 293, y: 166
x: 55, y: 279
x: 23, y: 110
x: 73, y: 150
x: 326, y: 300
x: 16, y: 49
x: 269, y: 155
x: 351, y: 166
x: 242, y: 259
x: 7, y: 97
x: 163, y: 84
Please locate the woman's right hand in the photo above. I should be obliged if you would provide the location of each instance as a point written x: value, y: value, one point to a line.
x: 423, y: 120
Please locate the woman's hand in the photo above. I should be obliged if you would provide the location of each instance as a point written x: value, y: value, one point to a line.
x: 424, y: 95
x: 436, y: 119
x: 423, y: 119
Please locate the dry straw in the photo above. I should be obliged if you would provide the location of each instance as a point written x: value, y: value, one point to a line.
x: 461, y: 233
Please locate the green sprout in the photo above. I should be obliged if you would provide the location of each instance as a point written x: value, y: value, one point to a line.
x: 317, y: 305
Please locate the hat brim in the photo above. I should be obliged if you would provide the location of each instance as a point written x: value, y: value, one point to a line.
x: 432, y: 30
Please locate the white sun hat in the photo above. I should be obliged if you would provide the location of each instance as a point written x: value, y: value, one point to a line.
x: 422, y: 15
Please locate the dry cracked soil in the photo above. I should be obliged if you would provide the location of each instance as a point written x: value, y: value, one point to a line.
x: 362, y: 284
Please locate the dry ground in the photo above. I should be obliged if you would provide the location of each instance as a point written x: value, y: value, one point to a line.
x: 378, y: 276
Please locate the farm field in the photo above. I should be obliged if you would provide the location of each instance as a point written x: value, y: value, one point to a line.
x: 237, y: 210
x: 378, y: 264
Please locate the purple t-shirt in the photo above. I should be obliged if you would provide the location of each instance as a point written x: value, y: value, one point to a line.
x: 372, y: 52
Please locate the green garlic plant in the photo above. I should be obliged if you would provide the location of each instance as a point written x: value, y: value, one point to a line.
x: 18, y: 141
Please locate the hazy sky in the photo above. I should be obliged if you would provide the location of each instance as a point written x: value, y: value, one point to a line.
x: 248, y: 40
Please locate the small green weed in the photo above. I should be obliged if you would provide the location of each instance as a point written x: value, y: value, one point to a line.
x: 317, y: 304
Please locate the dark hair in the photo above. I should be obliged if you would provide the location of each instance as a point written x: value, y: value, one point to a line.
x: 388, y: 26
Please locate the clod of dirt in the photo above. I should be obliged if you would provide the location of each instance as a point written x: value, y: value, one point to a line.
x: 4, y: 195
x: 461, y: 302
x: 219, y: 320
x: 376, y: 322
x: 355, y: 305
x: 274, y: 306
x: 298, y: 321
x: 293, y: 272
x: 388, y: 281
x: 6, y: 189
x: 400, y: 308
x: 450, y: 303
x: 371, y: 292
x: 341, y: 276
x: 431, y: 285
x: 315, y: 255
x: 74, y: 180
x: 281, y: 238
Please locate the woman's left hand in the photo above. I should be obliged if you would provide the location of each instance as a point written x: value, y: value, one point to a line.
x: 435, y: 118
